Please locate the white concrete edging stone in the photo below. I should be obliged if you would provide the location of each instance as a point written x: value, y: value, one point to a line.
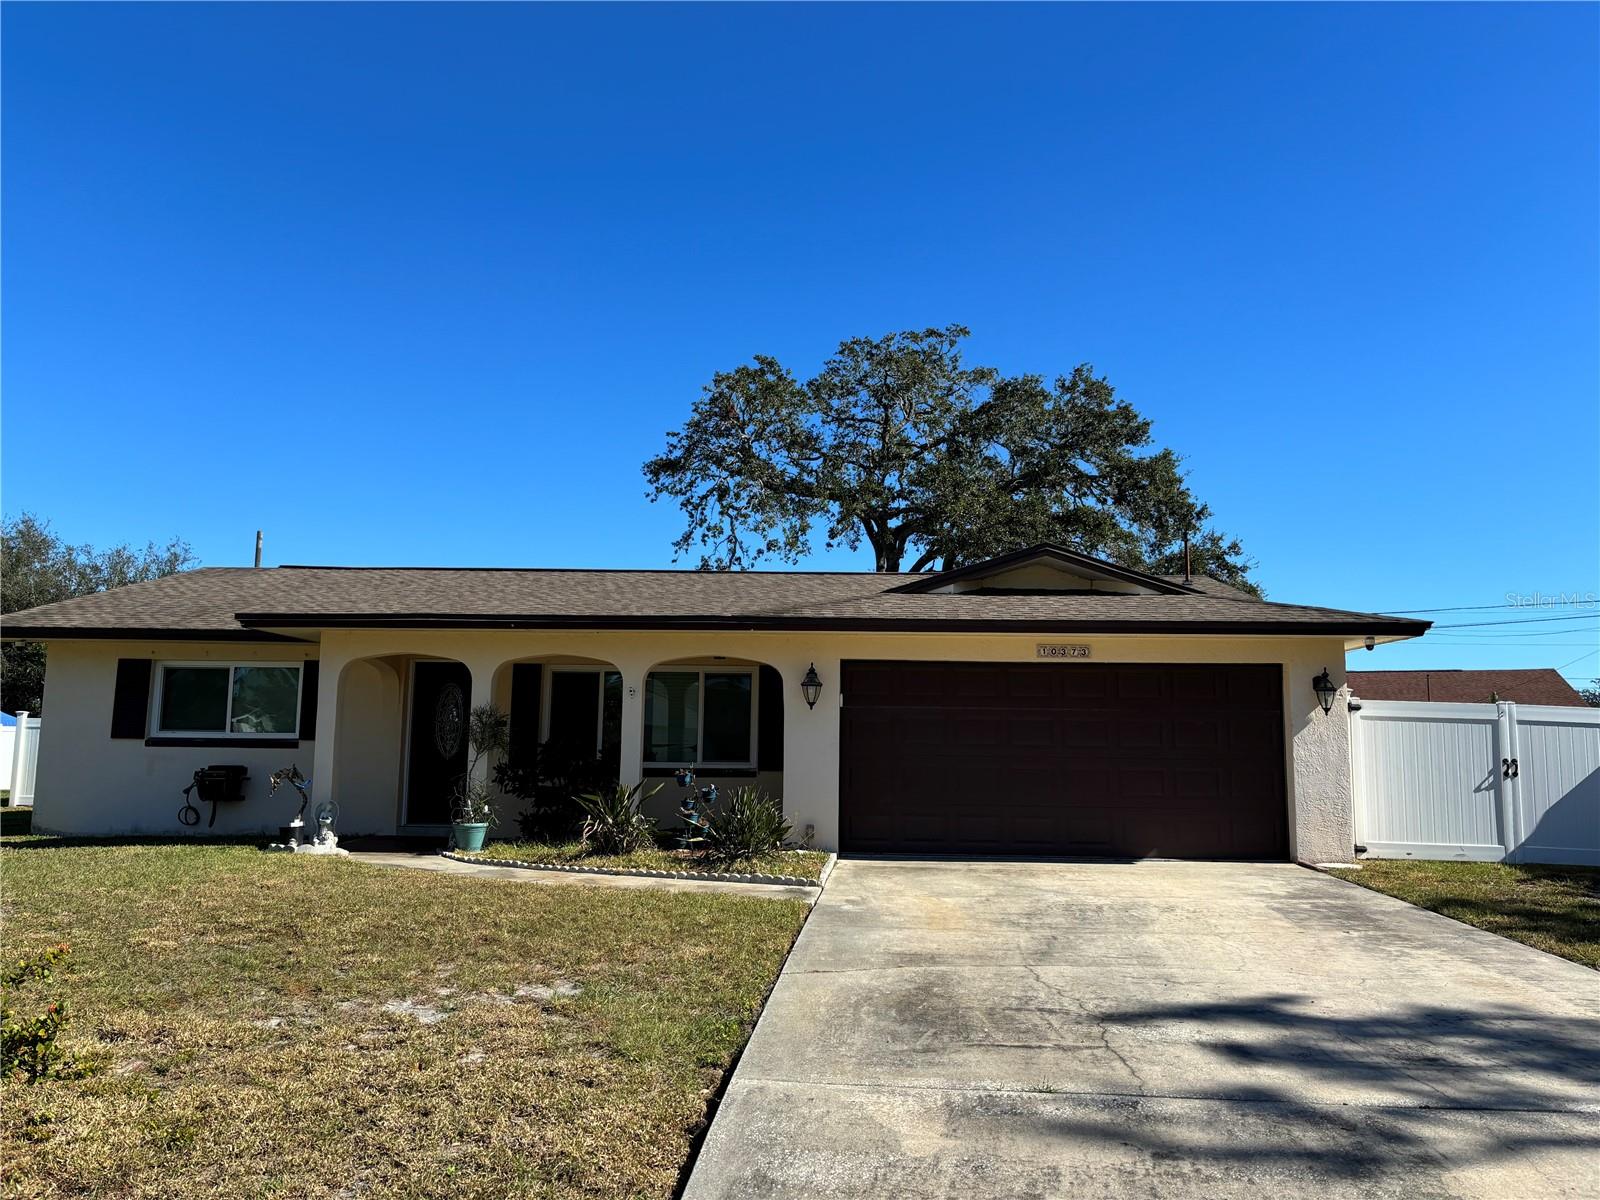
x: 707, y: 876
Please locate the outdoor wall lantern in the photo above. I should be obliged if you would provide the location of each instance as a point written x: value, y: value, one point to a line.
x: 811, y: 686
x: 1325, y: 690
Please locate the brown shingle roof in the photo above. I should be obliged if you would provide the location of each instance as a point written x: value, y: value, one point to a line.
x: 237, y: 601
x: 1540, y: 685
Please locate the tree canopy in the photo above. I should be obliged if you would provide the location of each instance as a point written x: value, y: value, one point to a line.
x: 38, y: 567
x: 900, y: 443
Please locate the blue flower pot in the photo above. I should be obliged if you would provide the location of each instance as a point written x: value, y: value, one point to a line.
x: 468, y: 836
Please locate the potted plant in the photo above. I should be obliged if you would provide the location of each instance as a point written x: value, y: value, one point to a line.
x: 472, y: 808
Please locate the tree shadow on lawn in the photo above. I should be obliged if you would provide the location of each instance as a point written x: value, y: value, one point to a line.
x: 1563, y: 925
x: 1449, y: 1089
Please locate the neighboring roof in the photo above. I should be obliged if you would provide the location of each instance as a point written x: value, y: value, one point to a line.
x: 1539, y: 685
x: 245, y: 602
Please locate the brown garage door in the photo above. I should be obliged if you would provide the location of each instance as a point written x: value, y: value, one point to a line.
x: 1182, y: 761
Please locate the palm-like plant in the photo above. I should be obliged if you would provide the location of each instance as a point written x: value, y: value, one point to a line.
x: 488, y: 733
x: 614, y: 821
x: 747, y: 825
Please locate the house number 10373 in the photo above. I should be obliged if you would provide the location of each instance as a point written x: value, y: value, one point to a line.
x: 1058, y: 650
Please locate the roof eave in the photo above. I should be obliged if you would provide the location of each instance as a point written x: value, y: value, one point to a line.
x: 756, y: 622
x: 67, y: 633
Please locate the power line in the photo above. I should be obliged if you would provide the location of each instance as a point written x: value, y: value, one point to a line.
x: 1581, y: 631
x: 1515, y: 647
x: 1412, y: 612
x: 1520, y: 621
x: 1408, y: 612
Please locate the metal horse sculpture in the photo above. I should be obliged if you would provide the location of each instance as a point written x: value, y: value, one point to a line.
x: 291, y: 775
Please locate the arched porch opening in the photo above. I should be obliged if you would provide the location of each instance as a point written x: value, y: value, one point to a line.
x: 721, y: 715
x: 566, y: 715
x: 368, y: 763
x: 401, y: 744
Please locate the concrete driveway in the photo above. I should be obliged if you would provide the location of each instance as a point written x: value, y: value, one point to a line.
x: 1004, y: 1029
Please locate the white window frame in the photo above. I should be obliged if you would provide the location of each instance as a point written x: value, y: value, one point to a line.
x: 547, y: 693
x: 749, y: 763
x: 225, y: 733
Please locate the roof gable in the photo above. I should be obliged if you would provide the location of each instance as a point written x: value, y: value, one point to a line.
x: 1047, y: 568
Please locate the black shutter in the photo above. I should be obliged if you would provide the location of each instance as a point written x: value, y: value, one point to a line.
x: 308, y: 701
x: 769, y: 725
x: 525, y: 679
x: 130, y: 703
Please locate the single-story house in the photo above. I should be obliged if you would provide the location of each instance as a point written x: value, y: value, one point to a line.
x: 1540, y: 685
x: 1042, y: 702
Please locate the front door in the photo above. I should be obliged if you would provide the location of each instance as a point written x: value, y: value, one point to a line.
x: 437, y: 753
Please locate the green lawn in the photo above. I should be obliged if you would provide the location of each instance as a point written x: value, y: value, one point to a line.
x: 278, y: 1026
x: 1555, y: 909
x: 804, y: 864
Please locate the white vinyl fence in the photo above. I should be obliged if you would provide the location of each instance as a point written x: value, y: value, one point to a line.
x: 1480, y: 782
x: 19, y: 757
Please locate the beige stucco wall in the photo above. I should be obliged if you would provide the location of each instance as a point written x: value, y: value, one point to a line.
x: 101, y: 785
x: 91, y: 783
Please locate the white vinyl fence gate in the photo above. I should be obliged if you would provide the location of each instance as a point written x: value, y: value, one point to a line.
x: 19, y: 757
x: 1479, y: 782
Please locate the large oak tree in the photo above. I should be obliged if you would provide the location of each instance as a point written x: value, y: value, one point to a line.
x: 932, y: 462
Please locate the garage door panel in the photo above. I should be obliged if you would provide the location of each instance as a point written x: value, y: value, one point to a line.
x: 972, y: 731
x: 1140, y: 785
x: 1134, y: 732
x: 971, y: 686
x: 1027, y: 686
x: 1066, y: 758
x: 1088, y: 784
x: 1258, y: 786
x: 1261, y: 688
x: 1197, y: 686
x: 1028, y: 730
x: 1087, y: 831
x: 1085, y: 733
x: 917, y: 729
x: 1141, y: 685
x: 1200, y: 733
x: 1075, y: 687
x: 1198, y: 783
x: 1040, y: 832
x: 1253, y: 736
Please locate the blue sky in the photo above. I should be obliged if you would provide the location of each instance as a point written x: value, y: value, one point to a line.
x: 427, y: 284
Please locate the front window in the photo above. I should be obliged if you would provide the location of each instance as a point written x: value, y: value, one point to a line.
x: 700, y: 718
x: 229, y: 700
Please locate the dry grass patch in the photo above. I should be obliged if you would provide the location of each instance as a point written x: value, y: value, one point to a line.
x: 1554, y: 909
x: 802, y: 864
x: 276, y: 1026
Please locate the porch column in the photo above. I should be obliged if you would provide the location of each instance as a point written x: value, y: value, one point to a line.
x: 330, y: 666
x: 630, y: 766
x: 483, y: 672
